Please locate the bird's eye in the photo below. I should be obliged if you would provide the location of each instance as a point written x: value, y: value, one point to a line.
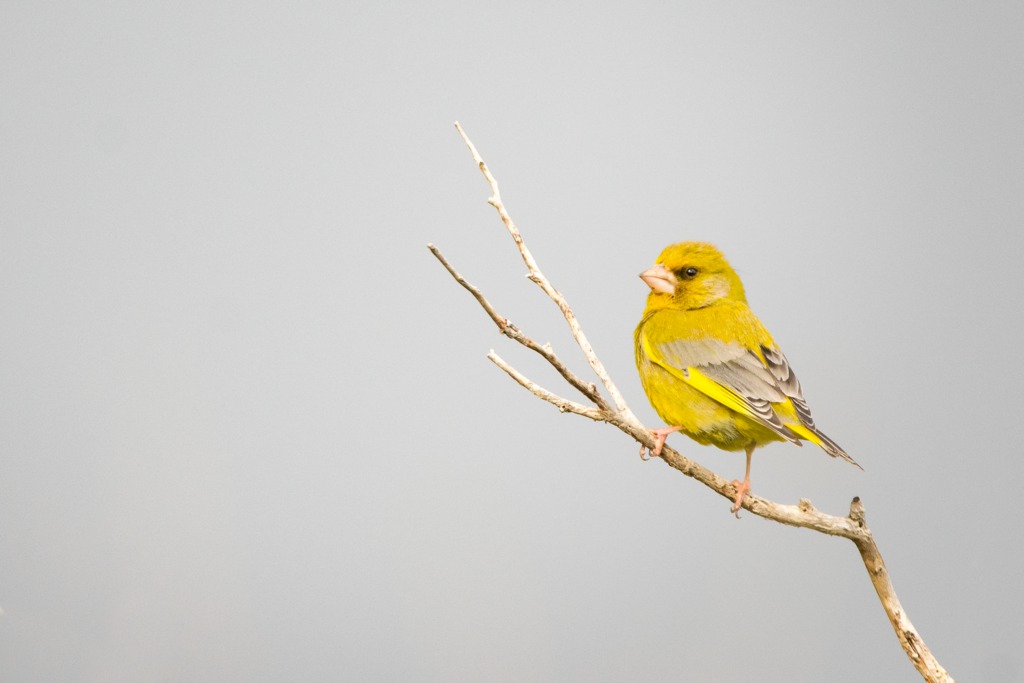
x: 688, y: 272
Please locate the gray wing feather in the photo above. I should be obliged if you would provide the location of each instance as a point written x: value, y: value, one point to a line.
x: 779, y: 367
x: 730, y: 365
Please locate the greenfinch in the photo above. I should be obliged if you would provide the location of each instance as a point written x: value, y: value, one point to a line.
x: 710, y: 368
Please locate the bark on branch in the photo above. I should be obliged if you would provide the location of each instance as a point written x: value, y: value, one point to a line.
x: 853, y: 527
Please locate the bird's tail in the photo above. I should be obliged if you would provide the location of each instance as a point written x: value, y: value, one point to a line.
x: 826, y: 444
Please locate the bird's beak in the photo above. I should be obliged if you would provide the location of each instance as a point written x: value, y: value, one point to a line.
x: 660, y: 279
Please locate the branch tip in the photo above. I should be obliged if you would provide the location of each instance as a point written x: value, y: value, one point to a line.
x: 857, y: 513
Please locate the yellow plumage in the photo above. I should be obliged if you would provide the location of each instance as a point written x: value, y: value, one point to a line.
x: 708, y: 365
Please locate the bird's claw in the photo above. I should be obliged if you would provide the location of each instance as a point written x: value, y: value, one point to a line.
x: 659, y: 440
x: 742, y: 489
x: 647, y: 453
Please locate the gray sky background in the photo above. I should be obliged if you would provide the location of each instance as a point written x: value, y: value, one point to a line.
x: 247, y: 429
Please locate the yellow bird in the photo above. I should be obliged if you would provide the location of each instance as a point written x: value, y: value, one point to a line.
x: 710, y: 368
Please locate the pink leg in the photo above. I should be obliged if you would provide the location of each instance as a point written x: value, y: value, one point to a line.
x: 742, y: 487
x: 659, y: 440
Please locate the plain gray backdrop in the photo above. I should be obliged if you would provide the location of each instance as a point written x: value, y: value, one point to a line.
x: 247, y: 426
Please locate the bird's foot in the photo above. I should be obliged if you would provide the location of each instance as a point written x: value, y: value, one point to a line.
x: 659, y: 441
x: 742, y: 489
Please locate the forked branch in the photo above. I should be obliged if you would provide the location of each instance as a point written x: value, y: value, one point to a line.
x: 853, y: 527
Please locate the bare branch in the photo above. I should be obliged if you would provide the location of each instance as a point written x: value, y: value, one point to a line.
x: 804, y: 515
x: 506, y: 327
x: 538, y: 277
x: 563, y: 404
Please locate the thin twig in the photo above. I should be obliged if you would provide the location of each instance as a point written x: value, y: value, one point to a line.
x: 854, y: 527
x: 538, y: 277
x: 508, y: 329
x: 563, y: 404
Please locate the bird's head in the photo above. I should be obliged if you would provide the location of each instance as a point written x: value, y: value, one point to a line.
x: 691, y: 275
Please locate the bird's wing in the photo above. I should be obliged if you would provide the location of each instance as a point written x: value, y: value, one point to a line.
x: 777, y: 364
x: 729, y: 373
